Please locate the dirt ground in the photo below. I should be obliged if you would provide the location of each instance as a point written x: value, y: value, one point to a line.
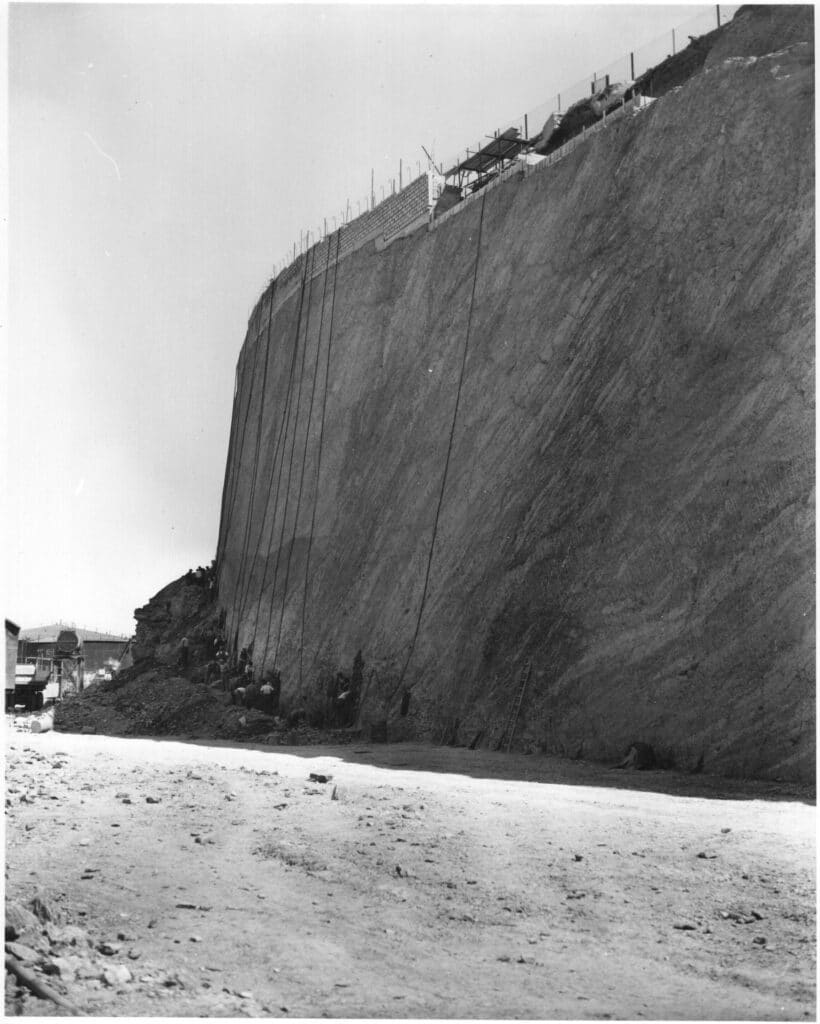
x: 419, y: 882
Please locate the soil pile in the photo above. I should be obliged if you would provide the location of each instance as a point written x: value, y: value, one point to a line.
x: 157, y: 703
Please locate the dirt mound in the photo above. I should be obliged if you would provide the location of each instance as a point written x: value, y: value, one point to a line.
x: 154, y: 701
x: 158, y: 703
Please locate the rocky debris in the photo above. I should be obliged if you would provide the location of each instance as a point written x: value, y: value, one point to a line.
x: 185, y: 607
x: 45, y: 909
x: 25, y: 954
x: 741, y: 918
x: 116, y: 975
x: 61, y: 964
x: 158, y: 702
x: 19, y: 920
x: 62, y: 952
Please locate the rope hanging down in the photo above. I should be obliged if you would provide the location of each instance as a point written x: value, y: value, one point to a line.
x: 249, y: 506
x: 319, y: 455
x: 447, y: 460
x: 304, y: 456
x: 228, y: 470
x: 276, y: 450
x: 234, y: 484
x: 238, y: 466
x: 290, y: 473
x: 280, y: 444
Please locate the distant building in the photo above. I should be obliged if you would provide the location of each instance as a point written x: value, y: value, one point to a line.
x: 12, y: 634
x: 97, y: 648
x: 76, y: 653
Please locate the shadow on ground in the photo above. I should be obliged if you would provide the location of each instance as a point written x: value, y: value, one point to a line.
x: 485, y: 764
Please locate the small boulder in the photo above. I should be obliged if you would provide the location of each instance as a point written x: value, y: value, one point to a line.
x: 25, y: 954
x: 44, y: 909
x: 19, y: 920
x: 65, y: 967
x: 116, y: 974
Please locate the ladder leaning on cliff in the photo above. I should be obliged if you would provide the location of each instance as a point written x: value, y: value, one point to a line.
x: 512, y: 718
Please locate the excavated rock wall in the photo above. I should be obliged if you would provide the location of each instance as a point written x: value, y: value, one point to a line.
x: 628, y: 506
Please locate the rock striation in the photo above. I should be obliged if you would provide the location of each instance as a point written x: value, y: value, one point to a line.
x: 550, y: 466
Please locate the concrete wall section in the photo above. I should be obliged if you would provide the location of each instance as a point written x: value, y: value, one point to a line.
x: 385, y: 221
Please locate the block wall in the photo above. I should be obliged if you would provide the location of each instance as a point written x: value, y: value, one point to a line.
x: 383, y: 222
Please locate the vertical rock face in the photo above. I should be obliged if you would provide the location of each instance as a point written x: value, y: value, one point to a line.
x: 628, y: 503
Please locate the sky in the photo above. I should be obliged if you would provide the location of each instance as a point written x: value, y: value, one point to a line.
x: 162, y: 160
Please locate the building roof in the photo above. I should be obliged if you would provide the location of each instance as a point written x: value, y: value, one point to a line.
x: 49, y: 634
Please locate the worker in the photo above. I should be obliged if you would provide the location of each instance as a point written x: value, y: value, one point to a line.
x: 251, y: 698
x: 276, y: 686
x: 269, y: 694
x: 266, y: 697
x: 237, y: 691
x: 183, y: 653
x: 243, y: 660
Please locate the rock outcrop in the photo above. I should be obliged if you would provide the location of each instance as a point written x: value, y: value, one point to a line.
x: 621, y: 511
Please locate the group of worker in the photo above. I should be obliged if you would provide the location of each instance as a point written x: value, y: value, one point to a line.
x: 244, y: 688
x: 240, y: 681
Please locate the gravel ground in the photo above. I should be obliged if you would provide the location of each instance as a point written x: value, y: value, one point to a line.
x: 220, y: 880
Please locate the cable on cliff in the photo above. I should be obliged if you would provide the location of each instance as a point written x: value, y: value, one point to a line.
x: 228, y: 471
x: 279, y: 443
x: 248, y: 573
x: 304, y: 457
x: 446, y: 461
x: 281, y: 440
x: 235, y: 487
x: 319, y: 455
x: 290, y: 474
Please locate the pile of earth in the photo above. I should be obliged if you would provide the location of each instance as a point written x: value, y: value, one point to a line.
x: 155, y: 701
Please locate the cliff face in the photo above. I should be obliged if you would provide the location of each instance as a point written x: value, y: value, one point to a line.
x: 628, y: 504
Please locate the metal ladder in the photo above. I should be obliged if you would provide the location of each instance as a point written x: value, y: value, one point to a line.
x: 512, y: 720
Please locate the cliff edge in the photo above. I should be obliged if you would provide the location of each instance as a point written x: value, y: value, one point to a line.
x: 550, y: 465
